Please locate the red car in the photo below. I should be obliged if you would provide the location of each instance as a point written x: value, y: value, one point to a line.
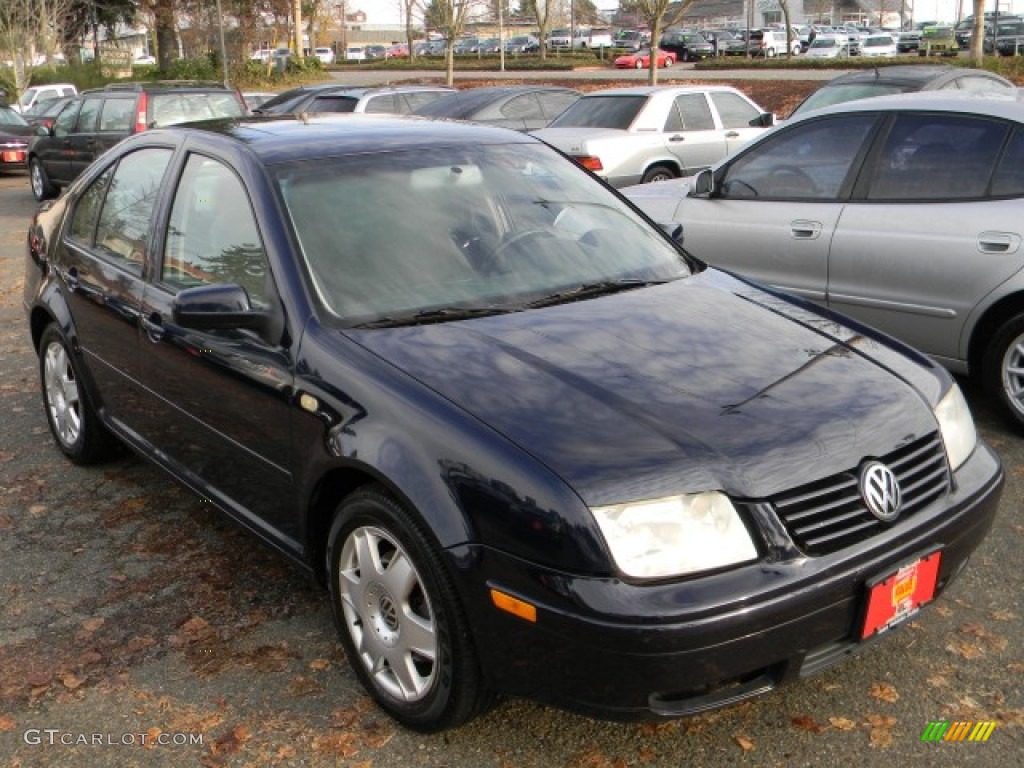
x: 399, y: 49
x: 642, y: 60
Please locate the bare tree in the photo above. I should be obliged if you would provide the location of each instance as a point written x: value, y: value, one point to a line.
x: 978, y: 33
x: 408, y: 8
x: 27, y: 30
x: 449, y: 18
x: 541, y: 10
x: 658, y: 16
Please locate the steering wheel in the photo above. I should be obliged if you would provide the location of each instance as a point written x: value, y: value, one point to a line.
x: 795, y: 174
x: 517, y: 239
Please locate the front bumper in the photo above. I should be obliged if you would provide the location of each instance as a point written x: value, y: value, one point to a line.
x: 625, y: 651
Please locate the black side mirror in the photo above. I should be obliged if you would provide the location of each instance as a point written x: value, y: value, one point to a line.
x: 217, y: 307
x: 703, y: 184
x: 764, y: 120
x: 673, y: 229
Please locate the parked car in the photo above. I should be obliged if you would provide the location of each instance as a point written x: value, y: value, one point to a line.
x: 521, y: 107
x: 355, y: 53
x: 632, y: 39
x: 45, y: 112
x: 295, y: 100
x: 924, y: 245
x: 490, y: 45
x: 390, y: 99
x: 144, y: 60
x: 522, y: 44
x: 738, y: 45
x: 642, y: 60
x: 686, y: 45
x: 325, y: 54
x: 883, y: 81
x: 939, y: 40
x: 718, y: 38
x: 908, y: 41
x: 878, y: 46
x: 95, y: 120
x: 15, y: 133
x: 466, y: 45
x: 255, y: 99
x: 772, y: 42
x: 376, y: 51
x: 398, y: 50
x: 515, y: 430
x: 1010, y: 38
x: 829, y: 47
x: 38, y: 94
x: 637, y: 135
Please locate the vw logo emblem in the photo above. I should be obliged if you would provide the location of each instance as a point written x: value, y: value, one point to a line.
x: 880, y: 491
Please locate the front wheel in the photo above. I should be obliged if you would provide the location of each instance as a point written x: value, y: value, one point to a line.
x: 1003, y: 371
x: 399, y: 617
x: 42, y: 187
x: 72, y: 419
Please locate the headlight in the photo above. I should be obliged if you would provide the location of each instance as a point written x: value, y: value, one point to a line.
x: 675, y: 535
x: 957, y: 426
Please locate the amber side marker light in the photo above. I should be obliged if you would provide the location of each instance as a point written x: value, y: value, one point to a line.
x: 514, y: 606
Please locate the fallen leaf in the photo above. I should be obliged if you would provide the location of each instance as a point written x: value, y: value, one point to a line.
x: 842, y: 723
x: 72, y: 681
x: 195, y: 625
x: 964, y: 649
x: 942, y: 610
x: 6, y: 723
x: 938, y: 681
x: 319, y: 664
x: 807, y: 723
x: 881, y: 730
x: 883, y: 692
x: 1004, y: 615
x: 973, y: 630
x: 745, y: 744
x: 285, y: 751
x: 91, y: 625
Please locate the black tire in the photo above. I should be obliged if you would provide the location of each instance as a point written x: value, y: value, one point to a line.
x: 73, y: 422
x: 404, y: 609
x: 42, y: 187
x: 1002, y: 371
x: 657, y: 173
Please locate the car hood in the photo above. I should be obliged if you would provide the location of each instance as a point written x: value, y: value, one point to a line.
x: 702, y: 383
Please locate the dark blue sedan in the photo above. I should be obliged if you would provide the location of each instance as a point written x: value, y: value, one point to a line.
x: 530, y: 445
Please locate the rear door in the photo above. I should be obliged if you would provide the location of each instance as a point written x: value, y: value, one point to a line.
x: 735, y: 114
x: 81, y: 143
x: 691, y: 135
x: 939, y: 226
x: 54, y: 152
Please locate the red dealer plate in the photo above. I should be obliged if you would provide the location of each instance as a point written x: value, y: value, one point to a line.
x: 898, y: 596
x: 14, y: 157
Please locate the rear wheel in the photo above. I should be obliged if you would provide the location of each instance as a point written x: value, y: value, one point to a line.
x: 72, y: 419
x: 399, y: 616
x: 639, y: 64
x: 1003, y: 371
x: 42, y: 187
x: 657, y: 173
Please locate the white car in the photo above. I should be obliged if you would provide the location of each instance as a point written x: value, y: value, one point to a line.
x: 326, y: 55
x: 829, y: 47
x: 905, y: 212
x: 355, y: 53
x: 144, y: 61
x: 879, y: 46
x: 38, y: 94
x: 637, y: 135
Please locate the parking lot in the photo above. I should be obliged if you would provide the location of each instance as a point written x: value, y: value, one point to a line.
x: 140, y: 628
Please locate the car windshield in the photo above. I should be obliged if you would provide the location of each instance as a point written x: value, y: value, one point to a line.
x: 173, y: 108
x: 873, y: 42
x: 408, y: 236
x: 9, y: 117
x: 828, y: 95
x: 601, y: 112
x: 824, y: 42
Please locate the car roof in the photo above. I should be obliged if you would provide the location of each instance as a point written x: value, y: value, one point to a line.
x: 919, y: 74
x: 462, y: 104
x: 1007, y: 106
x: 285, y: 138
x: 648, y: 90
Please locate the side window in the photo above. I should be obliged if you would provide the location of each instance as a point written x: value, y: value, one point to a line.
x: 691, y: 113
x: 416, y: 99
x: 809, y: 162
x: 126, y: 217
x: 525, y: 107
x: 556, y: 103
x: 66, y: 119
x: 937, y: 157
x: 83, y: 223
x: 212, y: 236
x: 1009, y: 178
x: 734, y: 111
x: 116, y: 115
x: 979, y: 84
x: 87, y: 115
x: 381, y: 104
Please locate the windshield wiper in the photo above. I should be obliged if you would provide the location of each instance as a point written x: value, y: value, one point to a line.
x: 589, y: 290
x: 438, y: 315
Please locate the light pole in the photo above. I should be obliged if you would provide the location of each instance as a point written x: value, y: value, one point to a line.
x: 223, y: 48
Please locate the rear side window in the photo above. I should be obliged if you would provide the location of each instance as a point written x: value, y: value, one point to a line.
x: 691, y: 113
x: 384, y: 104
x: 557, y: 102
x: 333, y: 104
x: 525, y: 107
x: 116, y: 115
x: 88, y: 114
x: 602, y: 112
x: 173, y: 108
x: 83, y: 223
x: 937, y: 157
x: 125, y: 220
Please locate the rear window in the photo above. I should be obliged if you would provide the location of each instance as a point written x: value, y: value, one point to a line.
x: 173, y: 108
x: 839, y: 94
x: 601, y: 112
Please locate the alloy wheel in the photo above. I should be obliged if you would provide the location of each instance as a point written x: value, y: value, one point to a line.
x: 62, y: 395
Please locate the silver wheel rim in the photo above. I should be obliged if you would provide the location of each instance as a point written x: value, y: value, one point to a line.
x: 388, y: 614
x: 37, y: 179
x: 1012, y: 371
x: 62, y: 396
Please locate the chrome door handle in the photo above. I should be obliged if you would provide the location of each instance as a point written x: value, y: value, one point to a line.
x: 677, y: 137
x: 805, y: 230
x: 998, y: 242
x: 732, y: 135
x: 153, y: 326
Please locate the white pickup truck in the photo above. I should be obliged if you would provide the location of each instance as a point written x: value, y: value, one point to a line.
x: 581, y: 38
x: 636, y: 135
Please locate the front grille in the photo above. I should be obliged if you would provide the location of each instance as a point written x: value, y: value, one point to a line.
x: 829, y: 514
